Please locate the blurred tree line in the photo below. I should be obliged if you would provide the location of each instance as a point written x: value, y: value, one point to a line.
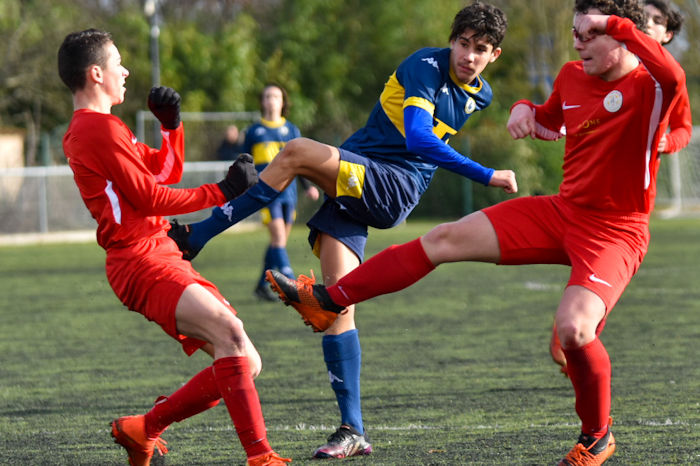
x: 333, y: 56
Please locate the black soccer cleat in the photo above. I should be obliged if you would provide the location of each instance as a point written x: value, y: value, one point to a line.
x: 180, y: 234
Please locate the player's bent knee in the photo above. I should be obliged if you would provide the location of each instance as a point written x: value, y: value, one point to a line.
x: 441, y: 243
x: 227, y: 331
x: 293, y: 151
x: 573, y: 336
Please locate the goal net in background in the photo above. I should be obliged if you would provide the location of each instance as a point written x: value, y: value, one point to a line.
x: 204, y: 131
x: 679, y: 181
x: 40, y: 200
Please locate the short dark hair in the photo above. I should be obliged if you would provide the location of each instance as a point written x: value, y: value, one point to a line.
x: 674, y: 19
x: 78, y: 52
x: 285, y: 97
x: 487, y: 21
x: 631, y: 9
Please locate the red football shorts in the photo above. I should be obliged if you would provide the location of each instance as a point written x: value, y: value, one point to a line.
x: 603, y: 249
x: 149, y: 278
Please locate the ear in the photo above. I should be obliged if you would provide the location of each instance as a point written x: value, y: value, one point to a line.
x: 668, y: 35
x: 95, y: 74
x: 495, y: 54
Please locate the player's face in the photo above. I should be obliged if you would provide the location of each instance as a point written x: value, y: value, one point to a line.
x: 469, y: 56
x: 272, y: 103
x: 602, y: 55
x: 114, y: 75
x: 656, y: 25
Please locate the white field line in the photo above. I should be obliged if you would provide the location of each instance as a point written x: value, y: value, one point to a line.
x: 411, y: 427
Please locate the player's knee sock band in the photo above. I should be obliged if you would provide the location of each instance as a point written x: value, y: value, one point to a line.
x: 343, y: 357
x: 589, y: 370
x: 257, y: 197
x: 238, y: 390
x: 393, y: 269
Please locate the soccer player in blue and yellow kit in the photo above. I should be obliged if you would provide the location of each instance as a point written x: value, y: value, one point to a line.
x: 614, y: 103
x: 378, y: 175
x: 263, y: 140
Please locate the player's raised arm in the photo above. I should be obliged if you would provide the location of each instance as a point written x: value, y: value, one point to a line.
x: 421, y: 139
x: 521, y: 122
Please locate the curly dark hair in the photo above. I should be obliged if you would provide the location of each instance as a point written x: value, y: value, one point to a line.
x: 487, y: 21
x: 674, y: 19
x: 631, y: 9
x: 79, y: 51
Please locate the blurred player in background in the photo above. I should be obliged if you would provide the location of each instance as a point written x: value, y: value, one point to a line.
x: 263, y: 140
x: 230, y: 146
x: 378, y: 175
x: 613, y: 103
x: 122, y: 183
x: 663, y: 23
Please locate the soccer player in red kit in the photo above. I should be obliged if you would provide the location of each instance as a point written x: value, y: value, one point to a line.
x: 609, y: 105
x: 664, y: 21
x: 122, y: 183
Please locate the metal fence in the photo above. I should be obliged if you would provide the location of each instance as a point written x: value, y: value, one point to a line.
x: 46, y: 199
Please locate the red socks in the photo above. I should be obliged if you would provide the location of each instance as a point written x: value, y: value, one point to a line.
x: 197, y: 395
x: 238, y: 391
x: 393, y: 269
x: 590, y: 373
x: 229, y: 378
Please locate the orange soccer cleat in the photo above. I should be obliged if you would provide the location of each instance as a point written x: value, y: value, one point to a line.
x: 268, y: 459
x: 589, y: 451
x: 310, y: 300
x: 130, y: 432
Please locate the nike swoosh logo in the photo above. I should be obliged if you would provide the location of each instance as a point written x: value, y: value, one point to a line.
x: 568, y: 107
x: 595, y: 279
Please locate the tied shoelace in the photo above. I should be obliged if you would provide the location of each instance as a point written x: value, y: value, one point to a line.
x: 160, y: 446
x: 580, y: 456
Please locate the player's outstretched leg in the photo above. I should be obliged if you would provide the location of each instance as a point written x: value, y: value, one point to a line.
x: 130, y: 432
x: 190, y: 239
x: 344, y: 442
x: 309, y: 299
x: 590, y: 450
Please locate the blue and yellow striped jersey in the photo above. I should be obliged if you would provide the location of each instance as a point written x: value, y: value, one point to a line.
x: 424, y: 80
x: 264, y: 139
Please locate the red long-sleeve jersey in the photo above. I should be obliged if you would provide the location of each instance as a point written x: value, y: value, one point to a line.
x: 612, y: 128
x: 121, y: 180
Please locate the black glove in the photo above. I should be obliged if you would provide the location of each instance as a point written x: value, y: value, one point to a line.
x: 164, y: 103
x: 241, y: 176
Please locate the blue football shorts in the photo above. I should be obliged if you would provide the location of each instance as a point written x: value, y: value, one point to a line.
x: 370, y: 192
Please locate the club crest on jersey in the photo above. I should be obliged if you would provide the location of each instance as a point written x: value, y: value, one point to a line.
x: 470, y: 107
x: 613, y: 101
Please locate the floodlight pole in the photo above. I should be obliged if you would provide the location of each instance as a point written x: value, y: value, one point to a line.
x: 151, y: 10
